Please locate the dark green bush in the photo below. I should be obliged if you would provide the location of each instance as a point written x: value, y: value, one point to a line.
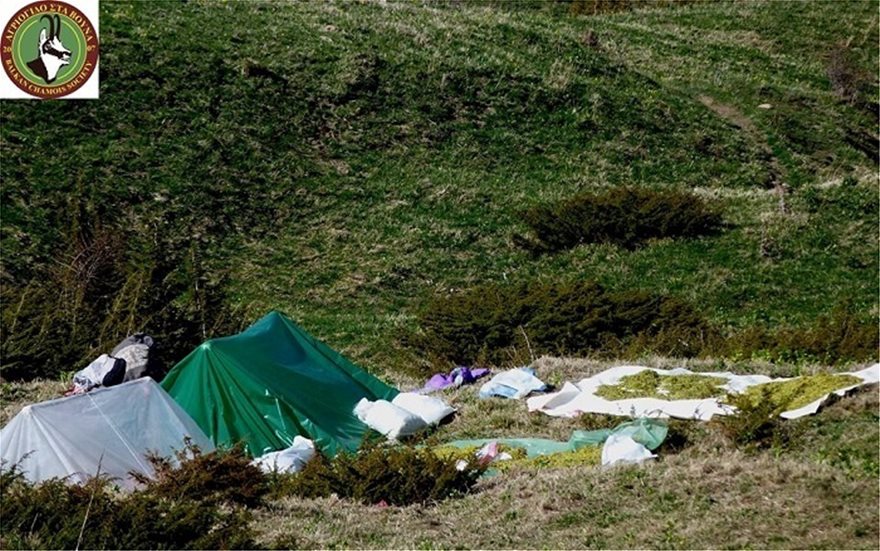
x: 397, y: 475
x: 511, y: 324
x: 57, y: 515
x: 219, y: 477
x: 681, y: 434
x: 623, y: 216
x: 849, y: 80
x: 841, y: 336
x: 494, y: 324
x: 755, y: 425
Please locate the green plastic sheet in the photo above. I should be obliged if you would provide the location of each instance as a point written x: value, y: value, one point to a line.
x: 270, y: 383
x: 648, y: 432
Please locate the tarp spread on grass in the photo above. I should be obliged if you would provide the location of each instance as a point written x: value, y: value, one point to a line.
x: 583, y: 397
x: 643, y: 432
x: 113, y: 428
x: 270, y: 383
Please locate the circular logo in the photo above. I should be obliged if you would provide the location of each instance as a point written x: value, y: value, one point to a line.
x: 49, y: 49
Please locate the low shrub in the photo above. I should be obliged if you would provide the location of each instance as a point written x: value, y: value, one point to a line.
x: 843, y: 434
x: 496, y: 324
x: 57, y: 515
x: 682, y: 434
x: 849, y: 81
x: 622, y: 216
x: 844, y: 335
x: 220, y: 477
x: 756, y: 423
x: 501, y: 324
x: 396, y: 475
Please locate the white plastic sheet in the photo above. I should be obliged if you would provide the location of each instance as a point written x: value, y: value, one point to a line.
x: 288, y: 460
x: 96, y: 374
x: 576, y: 398
x: 114, y: 427
x: 621, y: 448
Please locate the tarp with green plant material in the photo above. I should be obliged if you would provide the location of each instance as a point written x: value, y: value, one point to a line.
x: 646, y: 432
x: 271, y: 383
x: 642, y: 391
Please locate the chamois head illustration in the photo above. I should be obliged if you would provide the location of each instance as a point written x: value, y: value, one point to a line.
x: 52, y: 53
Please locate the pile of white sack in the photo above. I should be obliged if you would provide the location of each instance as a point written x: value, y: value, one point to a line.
x: 407, y: 414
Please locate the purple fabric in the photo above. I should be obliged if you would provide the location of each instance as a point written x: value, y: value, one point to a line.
x: 459, y: 376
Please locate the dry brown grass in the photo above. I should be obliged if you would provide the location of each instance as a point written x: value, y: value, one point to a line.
x: 728, y: 500
x: 708, y: 495
x: 702, y: 494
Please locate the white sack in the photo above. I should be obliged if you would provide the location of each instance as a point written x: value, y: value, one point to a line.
x: 388, y: 419
x: 513, y: 383
x: 288, y: 460
x: 136, y: 357
x: 95, y: 374
x: 430, y: 409
x: 622, y: 448
x: 114, y: 427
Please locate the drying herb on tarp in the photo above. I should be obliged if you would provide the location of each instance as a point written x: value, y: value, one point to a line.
x: 650, y: 384
x: 798, y: 392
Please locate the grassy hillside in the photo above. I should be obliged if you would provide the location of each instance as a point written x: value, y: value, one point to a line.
x: 346, y: 162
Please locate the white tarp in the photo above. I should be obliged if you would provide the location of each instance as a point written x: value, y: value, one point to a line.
x: 621, y: 448
x: 576, y: 398
x: 115, y: 427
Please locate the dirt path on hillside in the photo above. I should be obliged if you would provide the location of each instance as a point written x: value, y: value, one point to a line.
x: 736, y: 117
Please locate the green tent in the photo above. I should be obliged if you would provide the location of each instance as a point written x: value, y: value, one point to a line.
x: 270, y: 383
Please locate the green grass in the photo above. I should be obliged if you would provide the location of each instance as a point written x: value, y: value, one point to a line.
x: 345, y: 162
